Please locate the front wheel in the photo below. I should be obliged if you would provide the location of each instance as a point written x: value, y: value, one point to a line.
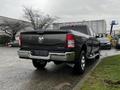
x: 39, y: 64
x: 98, y: 56
x: 57, y: 62
x: 80, y: 65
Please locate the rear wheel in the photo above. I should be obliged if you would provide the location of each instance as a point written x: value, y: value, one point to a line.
x: 39, y: 64
x: 80, y: 65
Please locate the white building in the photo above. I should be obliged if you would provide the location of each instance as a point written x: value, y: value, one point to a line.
x: 98, y: 26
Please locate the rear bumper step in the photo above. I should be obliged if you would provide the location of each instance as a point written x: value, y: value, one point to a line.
x: 67, y: 56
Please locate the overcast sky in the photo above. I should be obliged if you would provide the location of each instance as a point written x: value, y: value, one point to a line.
x: 67, y: 10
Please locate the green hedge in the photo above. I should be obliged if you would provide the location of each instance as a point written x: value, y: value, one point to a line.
x: 4, y: 39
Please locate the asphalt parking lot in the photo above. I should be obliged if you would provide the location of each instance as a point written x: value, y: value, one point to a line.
x: 19, y: 74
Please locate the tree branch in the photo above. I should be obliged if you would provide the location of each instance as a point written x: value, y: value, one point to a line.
x: 37, y: 19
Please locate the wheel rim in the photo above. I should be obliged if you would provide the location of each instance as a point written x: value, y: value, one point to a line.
x: 83, y: 62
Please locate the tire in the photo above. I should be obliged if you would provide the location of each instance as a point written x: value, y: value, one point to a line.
x: 110, y: 47
x: 39, y: 64
x: 98, y: 56
x: 80, y: 64
x: 57, y: 62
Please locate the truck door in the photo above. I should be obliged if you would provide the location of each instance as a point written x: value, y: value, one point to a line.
x: 89, y: 46
x: 95, y: 45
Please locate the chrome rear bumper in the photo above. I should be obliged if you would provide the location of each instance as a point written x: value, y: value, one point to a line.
x: 67, y: 56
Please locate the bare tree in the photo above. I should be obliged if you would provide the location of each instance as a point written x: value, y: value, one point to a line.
x: 11, y: 28
x: 37, y: 19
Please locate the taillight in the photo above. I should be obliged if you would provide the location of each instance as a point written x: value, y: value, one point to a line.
x: 20, y: 40
x: 70, y: 41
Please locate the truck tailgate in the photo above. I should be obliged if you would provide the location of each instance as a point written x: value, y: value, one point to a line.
x: 45, y: 40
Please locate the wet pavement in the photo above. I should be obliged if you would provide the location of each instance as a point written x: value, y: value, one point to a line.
x: 19, y: 74
x: 106, y: 53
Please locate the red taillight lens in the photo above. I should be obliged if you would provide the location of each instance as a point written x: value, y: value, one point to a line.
x: 70, y: 41
x: 20, y: 40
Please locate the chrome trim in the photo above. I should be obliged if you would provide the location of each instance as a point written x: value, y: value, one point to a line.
x: 67, y: 56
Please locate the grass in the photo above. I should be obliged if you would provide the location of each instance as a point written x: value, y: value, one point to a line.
x: 106, y: 76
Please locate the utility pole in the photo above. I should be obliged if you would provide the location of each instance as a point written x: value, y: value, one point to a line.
x: 112, y: 24
x: 111, y: 29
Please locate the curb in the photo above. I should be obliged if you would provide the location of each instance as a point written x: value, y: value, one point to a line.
x: 85, y: 76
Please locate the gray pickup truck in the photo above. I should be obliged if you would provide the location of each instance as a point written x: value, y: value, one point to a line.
x: 70, y: 45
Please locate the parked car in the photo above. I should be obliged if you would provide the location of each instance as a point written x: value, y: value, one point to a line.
x: 75, y: 46
x: 13, y: 43
x: 117, y: 39
x: 105, y: 43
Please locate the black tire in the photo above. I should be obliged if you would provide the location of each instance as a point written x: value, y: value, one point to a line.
x: 110, y: 47
x: 117, y: 47
x: 39, y: 64
x: 57, y: 62
x: 98, y: 56
x: 80, y: 64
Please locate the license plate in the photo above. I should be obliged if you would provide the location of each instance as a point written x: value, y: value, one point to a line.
x: 39, y: 53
